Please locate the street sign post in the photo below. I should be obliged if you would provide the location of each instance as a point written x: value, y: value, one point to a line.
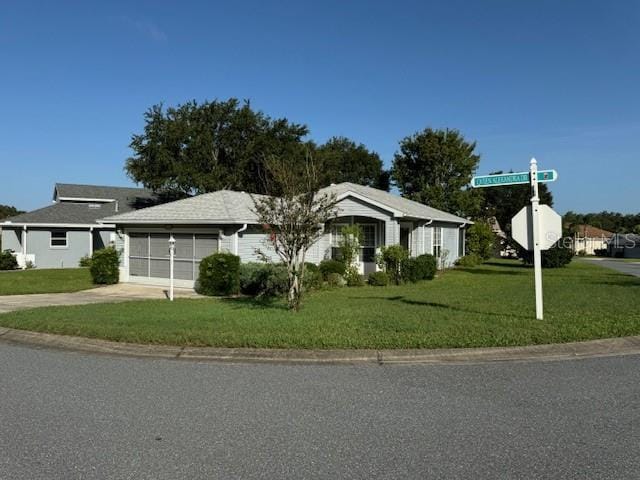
x: 502, y: 179
x: 550, y: 226
x: 536, y: 227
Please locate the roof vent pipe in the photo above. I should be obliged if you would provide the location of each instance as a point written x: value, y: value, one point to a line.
x: 116, y: 206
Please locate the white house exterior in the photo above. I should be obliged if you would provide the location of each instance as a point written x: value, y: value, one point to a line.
x: 225, y: 221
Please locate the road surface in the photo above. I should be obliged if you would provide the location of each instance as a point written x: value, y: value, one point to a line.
x: 66, y: 415
x: 630, y: 268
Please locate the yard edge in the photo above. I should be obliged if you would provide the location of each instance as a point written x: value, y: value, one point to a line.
x: 449, y: 356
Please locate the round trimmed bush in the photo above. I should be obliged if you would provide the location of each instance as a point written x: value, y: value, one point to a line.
x: 8, y: 261
x: 263, y: 279
x: 336, y: 280
x: 219, y: 275
x: 427, y: 266
x: 378, y: 279
x: 470, y: 260
x: 411, y: 271
x: 312, y: 276
x: 328, y: 267
x: 105, y: 266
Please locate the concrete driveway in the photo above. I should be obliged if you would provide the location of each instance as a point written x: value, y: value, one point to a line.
x: 107, y: 294
x: 630, y: 268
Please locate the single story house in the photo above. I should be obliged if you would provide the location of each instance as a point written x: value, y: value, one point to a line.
x: 624, y: 245
x: 59, y: 235
x: 225, y: 221
x: 588, y: 238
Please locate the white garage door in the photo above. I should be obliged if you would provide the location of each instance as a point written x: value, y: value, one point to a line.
x: 149, y: 254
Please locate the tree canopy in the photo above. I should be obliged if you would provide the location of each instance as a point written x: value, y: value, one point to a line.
x: 342, y: 160
x: 435, y: 167
x: 611, y: 221
x: 7, y: 211
x: 504, y: 202
x: 202, y: 147
x: 197, y: 148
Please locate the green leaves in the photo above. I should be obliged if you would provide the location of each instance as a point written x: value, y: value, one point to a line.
x: 197, y: 148
x: 435, y: 167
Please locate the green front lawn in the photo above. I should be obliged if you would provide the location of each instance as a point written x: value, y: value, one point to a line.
x: 489, y: 305
x: 57, y: 280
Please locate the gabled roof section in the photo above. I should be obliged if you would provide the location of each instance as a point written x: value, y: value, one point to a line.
x: 85, y: 204
x: 589, y: 231
x: 223, y: 206
x: 64, y: 213
x: 71, y: 191
x: 400, y: 206
x: 228, y: 206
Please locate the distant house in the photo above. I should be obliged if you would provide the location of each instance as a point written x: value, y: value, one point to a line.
x: 624, y: 245
x: 58, y: 235
x: 588, y: 238
x: 225, y: 221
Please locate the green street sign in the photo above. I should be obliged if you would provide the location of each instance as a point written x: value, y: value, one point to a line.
x: 512, y: 178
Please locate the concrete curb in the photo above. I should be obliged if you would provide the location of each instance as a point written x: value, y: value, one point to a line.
x: 562, y: 351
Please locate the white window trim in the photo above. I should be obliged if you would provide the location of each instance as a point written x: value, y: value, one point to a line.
x: 433, y: 243
x: 375, y: 238
x: 59, y: 247
x: 331, y: 235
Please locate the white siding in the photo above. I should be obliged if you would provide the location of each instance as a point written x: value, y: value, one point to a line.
x: 352, y: 206
x: 254, y: 239
x: 450, y: 243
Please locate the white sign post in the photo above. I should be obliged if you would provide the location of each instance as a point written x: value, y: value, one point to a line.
x: 537, y: 252
x: 536, y: 227
x: 172, y: 253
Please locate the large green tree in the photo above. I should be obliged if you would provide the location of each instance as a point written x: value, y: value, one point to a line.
x: 7, y: 211
x: 435, y: 167
x: 505, y: 201
x: 612, y: 221
x: 202, y: 147
x: 342, y: 160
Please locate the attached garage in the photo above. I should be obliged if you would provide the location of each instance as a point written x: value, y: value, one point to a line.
x: 148, y: 255
x: 226, y: 221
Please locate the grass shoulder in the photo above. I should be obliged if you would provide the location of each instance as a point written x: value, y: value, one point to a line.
x: 55, y: 280
x: 488, y: 305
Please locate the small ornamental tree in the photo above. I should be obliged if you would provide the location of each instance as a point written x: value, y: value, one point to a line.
x: 391, y: 259
x: 350, y: 249
x: 295, y: 218
x: 481, y: 241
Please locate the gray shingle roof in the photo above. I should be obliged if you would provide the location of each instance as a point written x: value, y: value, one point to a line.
x: 226, y: 206
x: 408, y: 207
x: 72, y: 190
x: 66, y: 212
x: 223, y: 206
x: 127, y: 199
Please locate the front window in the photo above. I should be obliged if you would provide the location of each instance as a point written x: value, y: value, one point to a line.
x: 336, y: 238
x: 58, y: 239
x: 437, y: 242
x: 368, y: 244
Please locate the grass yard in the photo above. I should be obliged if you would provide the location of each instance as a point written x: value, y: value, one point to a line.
x: 59, y: 280
x: 489, y: 305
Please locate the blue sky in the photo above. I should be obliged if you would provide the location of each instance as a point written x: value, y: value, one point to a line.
x: 558, y: 80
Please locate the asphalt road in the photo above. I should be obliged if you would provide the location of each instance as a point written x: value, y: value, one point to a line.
x: 67, y: 415
x: 624, y: 267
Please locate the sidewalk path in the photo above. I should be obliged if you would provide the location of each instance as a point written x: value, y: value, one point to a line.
x: 110, y: 293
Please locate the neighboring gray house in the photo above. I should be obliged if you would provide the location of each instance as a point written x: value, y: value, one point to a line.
x: 225, y: 221
x: 59, y: 235
x: 624, y: 245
